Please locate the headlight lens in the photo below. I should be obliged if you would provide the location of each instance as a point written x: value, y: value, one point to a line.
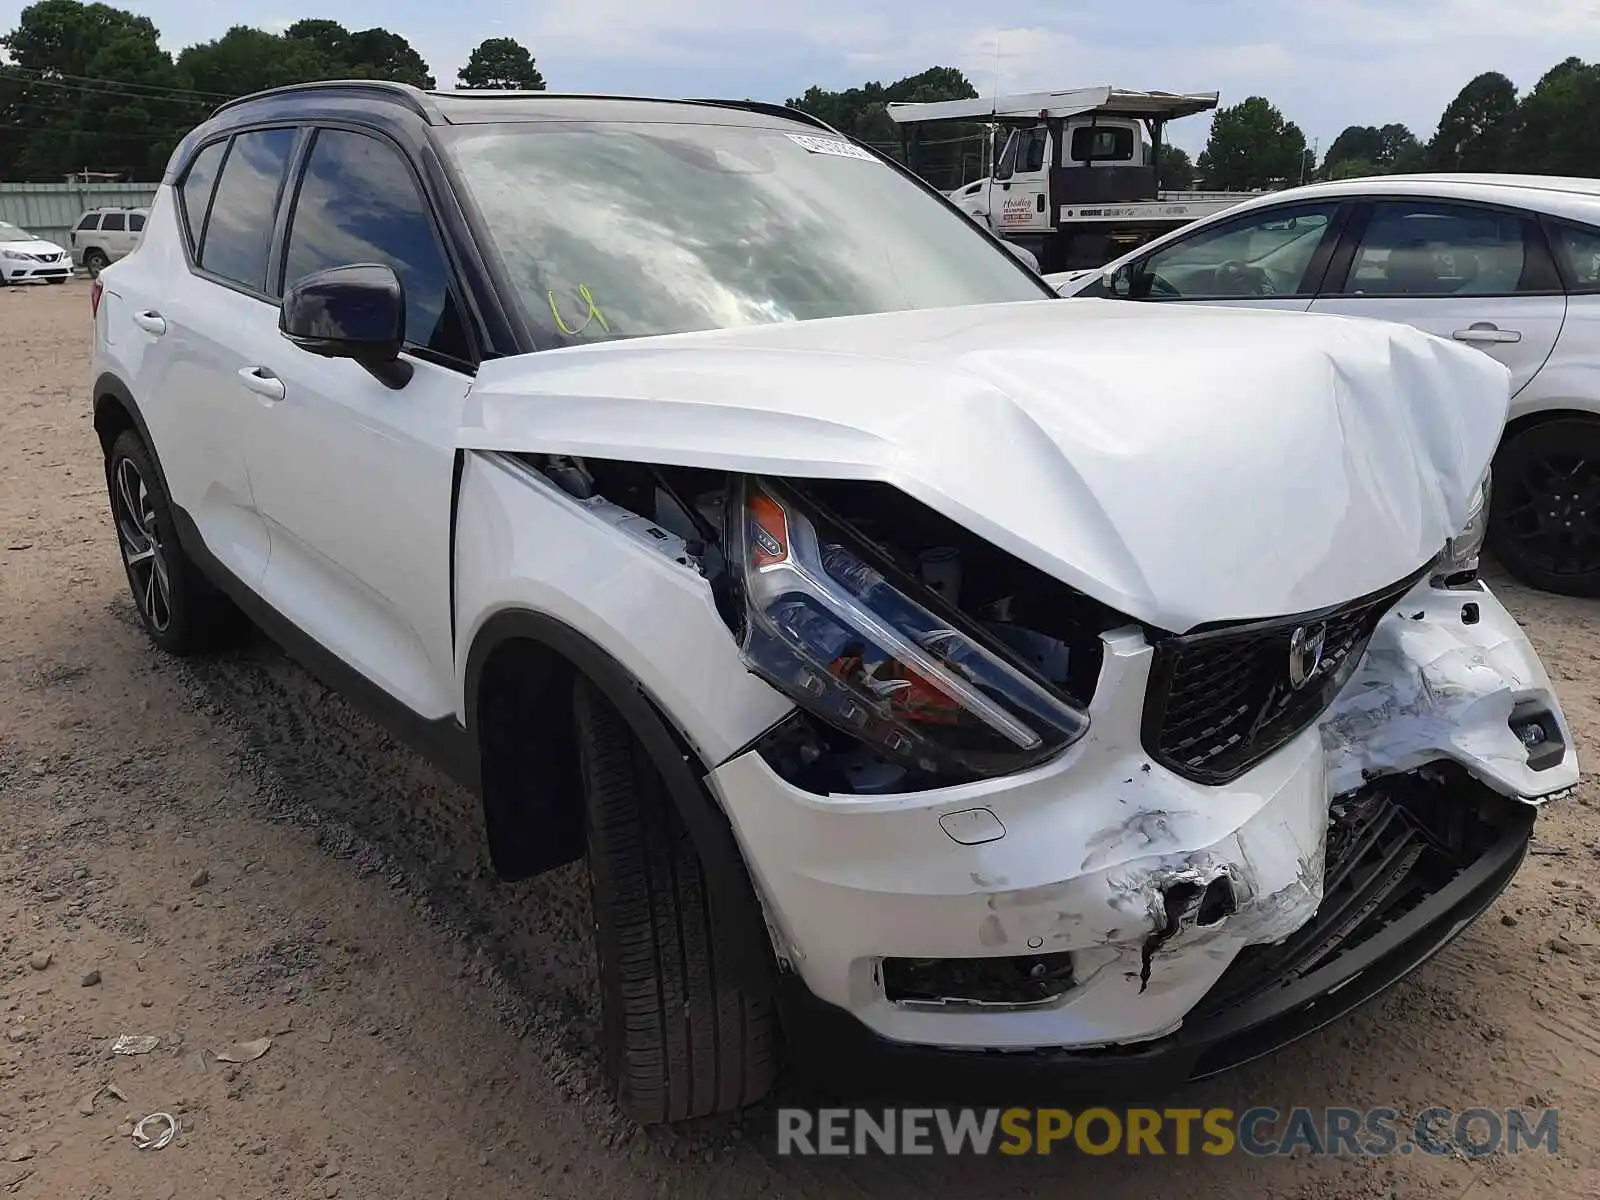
x: 15, y: 255
x: 1458, y: 561
x: 829, y: 623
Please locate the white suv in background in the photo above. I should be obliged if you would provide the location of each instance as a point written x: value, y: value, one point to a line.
x: 730, y: 512
x: 104, y: 235
x: 1507, y: 263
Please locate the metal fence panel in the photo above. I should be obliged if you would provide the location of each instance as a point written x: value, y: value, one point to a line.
x: 52, y: 209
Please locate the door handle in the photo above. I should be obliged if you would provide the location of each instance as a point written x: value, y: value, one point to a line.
x: 262, y: 382
x: 1486, y: 331
x: 150, y: 322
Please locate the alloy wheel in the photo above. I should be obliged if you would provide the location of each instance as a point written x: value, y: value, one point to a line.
x: 140, y: 539
x: 1552, y: 513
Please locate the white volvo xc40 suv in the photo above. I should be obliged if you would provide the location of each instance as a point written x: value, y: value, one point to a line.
x: 924, y: 665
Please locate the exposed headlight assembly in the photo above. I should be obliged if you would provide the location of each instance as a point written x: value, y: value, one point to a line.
x: 1458, y: 561
x: 830, y: 622
x: 16, y: 255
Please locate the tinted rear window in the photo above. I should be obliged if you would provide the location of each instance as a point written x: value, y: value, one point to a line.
x: 114, y: 222
x: 238, y: 232
x: 195, y: 192
x: 89, y: 221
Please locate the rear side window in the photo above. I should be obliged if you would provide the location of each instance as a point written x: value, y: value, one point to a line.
x: 1431, y: 249
x: 238, y: 233
x: 1111, y: 144
x: 359, y: 203
x: 1578, y: 250
x: 195, y: 193
x: 135, y: 222
x: 89, y: 221
x: 113, y: 223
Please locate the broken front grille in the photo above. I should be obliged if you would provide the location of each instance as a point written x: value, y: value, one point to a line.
x: 1222, y: 699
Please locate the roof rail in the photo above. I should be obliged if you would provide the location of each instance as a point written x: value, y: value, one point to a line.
x: 413, y: 98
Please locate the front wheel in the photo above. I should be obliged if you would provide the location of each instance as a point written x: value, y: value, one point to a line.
x: 1544, y: 515
x: 679, y: 1040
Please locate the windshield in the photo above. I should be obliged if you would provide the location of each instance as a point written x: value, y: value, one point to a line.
x: 14, y: 233
x: 614, y: 231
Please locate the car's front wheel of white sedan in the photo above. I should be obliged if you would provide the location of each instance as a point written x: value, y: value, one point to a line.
x: 680, y: 1038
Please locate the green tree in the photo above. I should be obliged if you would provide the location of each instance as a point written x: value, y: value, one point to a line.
x: 245, y: 60
x: 1351, y: 168
x: 1174, y: 168
x: 501, y: 64
x: 88, y: 86
x: 1559, y: 122
x: 1475, y: 132
x: 1362, y: 143
x: 381, y: 54
x: 1399, y: 150
x: 948, y: 154
x: 1251, y: 146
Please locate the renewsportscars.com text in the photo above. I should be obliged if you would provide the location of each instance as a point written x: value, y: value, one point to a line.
x: 1259, y: 1132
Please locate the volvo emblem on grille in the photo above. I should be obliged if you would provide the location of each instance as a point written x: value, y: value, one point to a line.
x: 1305, y: 654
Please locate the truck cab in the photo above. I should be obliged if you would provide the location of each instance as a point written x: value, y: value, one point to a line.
x: 1075, y: 180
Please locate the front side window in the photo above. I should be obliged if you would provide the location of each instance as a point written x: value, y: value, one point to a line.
x: 238, y: 233
x: 610, y: 230
x: 194, y: 195
x: 135, y: 222
x: 113, y: 223
x: 1007, y: 165
x: 1579, y: 251
x: 89, y: 221
x: 359, y: 203
x: 1264, y: 254
x: 1030, y: 150
x: 1428, y: 249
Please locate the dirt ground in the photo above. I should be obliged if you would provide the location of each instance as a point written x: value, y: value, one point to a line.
x: 220, y: 851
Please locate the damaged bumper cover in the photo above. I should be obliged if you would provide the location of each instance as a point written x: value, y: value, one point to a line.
x: 1102, y: 913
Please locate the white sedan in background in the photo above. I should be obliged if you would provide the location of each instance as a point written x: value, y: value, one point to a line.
x: 25, y: 258
x: 1507, y: 263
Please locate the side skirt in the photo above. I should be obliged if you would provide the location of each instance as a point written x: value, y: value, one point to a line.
x: 445, y: 743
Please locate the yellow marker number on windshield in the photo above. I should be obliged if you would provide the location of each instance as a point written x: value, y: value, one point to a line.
x: 594, y: 312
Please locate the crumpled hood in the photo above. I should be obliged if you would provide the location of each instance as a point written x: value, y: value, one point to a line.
x: 1181, y: 464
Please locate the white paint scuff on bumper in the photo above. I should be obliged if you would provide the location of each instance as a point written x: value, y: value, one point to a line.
x: 1092, y: 839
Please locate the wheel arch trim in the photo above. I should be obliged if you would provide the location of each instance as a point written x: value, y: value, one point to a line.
x: 727, y: 878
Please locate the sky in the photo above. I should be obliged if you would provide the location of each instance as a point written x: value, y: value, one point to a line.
x: 1326, y: 63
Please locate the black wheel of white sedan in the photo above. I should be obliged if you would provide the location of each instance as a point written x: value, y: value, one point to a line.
x: 1544, y: 515
x: 179, y: 607
x: 680, y: 1040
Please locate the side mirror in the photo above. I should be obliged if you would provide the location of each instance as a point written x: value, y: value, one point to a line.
x: 355, y: 312
x: 1118, y: 282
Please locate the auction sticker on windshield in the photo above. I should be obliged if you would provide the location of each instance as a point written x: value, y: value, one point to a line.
x: 828, y: 145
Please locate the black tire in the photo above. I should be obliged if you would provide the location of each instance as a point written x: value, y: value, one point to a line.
x: 95, y: 261
x: 679, y: 1041
x: 179, y: 607
x: 1544, y: 513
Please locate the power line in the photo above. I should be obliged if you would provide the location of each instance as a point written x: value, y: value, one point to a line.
x: 112, y: 88
x: 48, y: 76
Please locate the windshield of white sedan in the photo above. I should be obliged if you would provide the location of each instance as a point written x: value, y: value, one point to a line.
x: 14, y: 233
x: 625, y: 231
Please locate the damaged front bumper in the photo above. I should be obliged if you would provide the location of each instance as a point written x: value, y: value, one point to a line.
x: 1103, y: 913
